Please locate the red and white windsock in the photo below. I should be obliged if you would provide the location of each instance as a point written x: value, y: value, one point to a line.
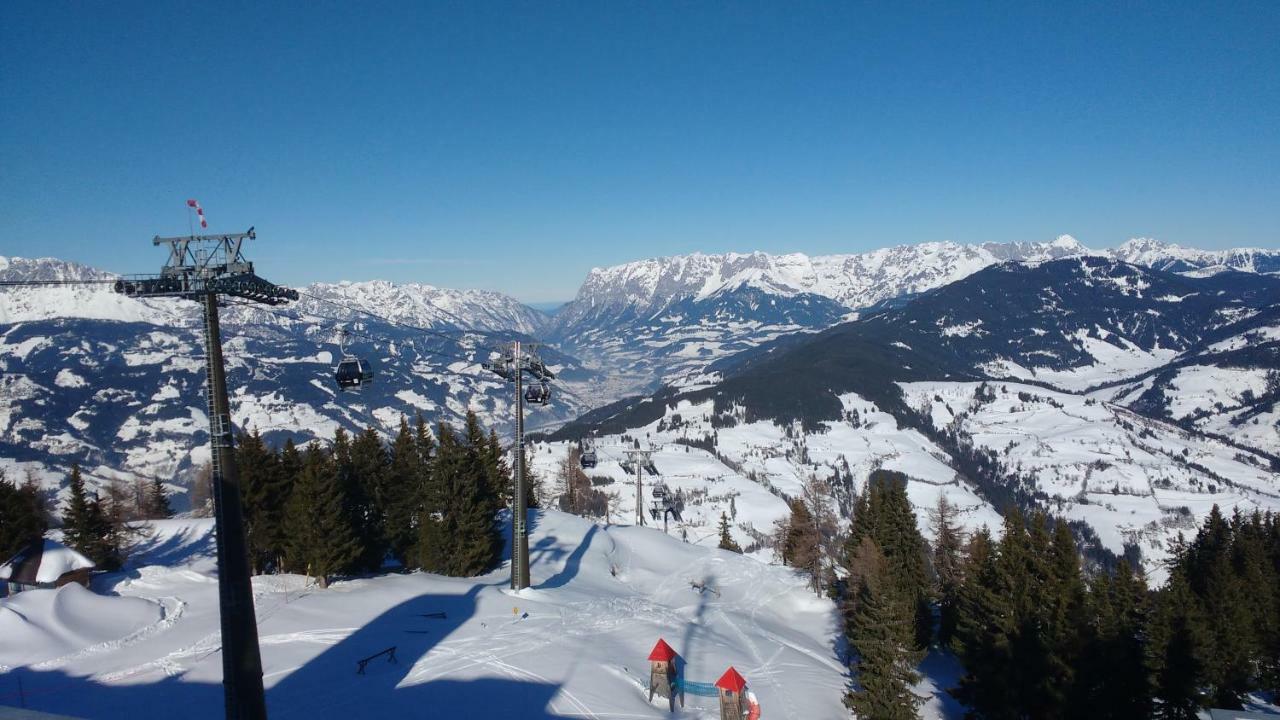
x: 199, y: 212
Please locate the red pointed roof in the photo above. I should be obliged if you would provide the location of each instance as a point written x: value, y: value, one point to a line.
x: 731, y: 680
x: 662, y: 652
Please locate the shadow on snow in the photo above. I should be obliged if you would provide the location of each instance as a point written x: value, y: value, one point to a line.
x: 325, y: 686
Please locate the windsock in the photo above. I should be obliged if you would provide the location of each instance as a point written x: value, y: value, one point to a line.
x: 199, y: 212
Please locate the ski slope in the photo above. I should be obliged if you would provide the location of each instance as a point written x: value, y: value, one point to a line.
x: 573, y: 645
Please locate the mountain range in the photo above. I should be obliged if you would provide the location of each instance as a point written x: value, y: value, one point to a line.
x: 664, y: 320
x: 1034, y: 373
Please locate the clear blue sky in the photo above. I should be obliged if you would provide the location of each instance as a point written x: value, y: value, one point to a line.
x: 513, y: 146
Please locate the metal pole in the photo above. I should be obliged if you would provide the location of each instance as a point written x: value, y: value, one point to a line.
x: 519, y: 529
x: 241, y: 661
x: 639, y: 488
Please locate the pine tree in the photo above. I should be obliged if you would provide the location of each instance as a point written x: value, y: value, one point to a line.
x: 1177, y: 638
x: 157, y: 501
x: 726, y: 539
x: 882, y: 633
x: 464, y: 538
x: 1226, y: 654
x: 76, y: 520
x: 369, y: 466
x: 321, y: 541
x: 1270, y: 666
x: 890, y: 520
x: 102, y: 539
x: 948, y: 566
x: 435, y: 547
x: 265, y: 483
x: 22, y: 517
x: 402, y: 494
x: 1057, y: 620
x: 985, y: 632
x: 1122, y: 651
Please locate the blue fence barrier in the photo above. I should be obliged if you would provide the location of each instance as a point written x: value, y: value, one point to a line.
x: 697, y: 688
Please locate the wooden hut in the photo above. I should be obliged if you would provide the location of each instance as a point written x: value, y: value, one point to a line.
x: 731, y: 684
x: 44, y: 564
x: 662, y: 672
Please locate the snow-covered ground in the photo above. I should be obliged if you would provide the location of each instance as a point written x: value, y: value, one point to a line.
x: 759, y: 464
x: 573, y: 645
x: 1133, y: 479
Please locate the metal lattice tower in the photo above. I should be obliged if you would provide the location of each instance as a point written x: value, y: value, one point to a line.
x: 203, y: 267
x: 640, y: 459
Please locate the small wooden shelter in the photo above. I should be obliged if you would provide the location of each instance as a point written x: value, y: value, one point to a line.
x: 44, y: 563
x: 662, y: 672
x: 731, y: 684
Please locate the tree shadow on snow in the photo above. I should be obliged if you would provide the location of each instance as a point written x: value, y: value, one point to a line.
x: 571, y: 565
x: 328, y: 684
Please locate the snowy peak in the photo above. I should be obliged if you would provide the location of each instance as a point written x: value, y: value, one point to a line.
x: 854, y: 280
x: 413, y: 304
x: 1175, y: 258
x: 28, y: 269
x: 427, y: 306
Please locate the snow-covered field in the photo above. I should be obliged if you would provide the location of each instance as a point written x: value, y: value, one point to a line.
x: 573, y: 645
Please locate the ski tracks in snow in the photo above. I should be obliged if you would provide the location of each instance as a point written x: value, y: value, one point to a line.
x: 171, y: 610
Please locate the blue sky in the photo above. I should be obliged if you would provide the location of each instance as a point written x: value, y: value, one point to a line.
x: 513, y: 146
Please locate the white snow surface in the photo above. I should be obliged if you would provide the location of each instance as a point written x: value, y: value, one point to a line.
x: 573, y: 645
x: 56, y: 560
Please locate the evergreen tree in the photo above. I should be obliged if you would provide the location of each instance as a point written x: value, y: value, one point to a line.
x: 321, y: 541
x: 157, y: 501
x: 402, y: 493
x: 882, y: 633
x: 464, y: 539
x: 101, y: 540
x: 369, y: 464
x: 265, y: 483
x: 22, y: 517
x: 884, y: 514
x: 1270, y: 665
x: 1177, y: 638
x: 948, y: 566
x: 1226, y: 655
x: 726, y: 539
x: 1120, y: 648
x: 985, y: 631
x: 435, y: 548
x: 77, y: 527
x: 503, y: 477
x: 1057, y: 622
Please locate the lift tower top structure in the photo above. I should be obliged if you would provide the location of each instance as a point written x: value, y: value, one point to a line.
x: 203, y: 267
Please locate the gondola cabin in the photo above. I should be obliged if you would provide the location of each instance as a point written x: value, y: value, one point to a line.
x: 353, y: 373
x: 588, y: 459
x: 538, y: 394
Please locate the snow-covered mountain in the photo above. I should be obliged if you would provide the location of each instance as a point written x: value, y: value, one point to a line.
x: 1011, y: 385
x: 666, y: 319
x: 1174, y: 258
x: 116, y: 384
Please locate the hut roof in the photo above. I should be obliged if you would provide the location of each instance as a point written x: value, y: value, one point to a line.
x: 731, y: 680
x: 662, y: 651
x: 43, y: 561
